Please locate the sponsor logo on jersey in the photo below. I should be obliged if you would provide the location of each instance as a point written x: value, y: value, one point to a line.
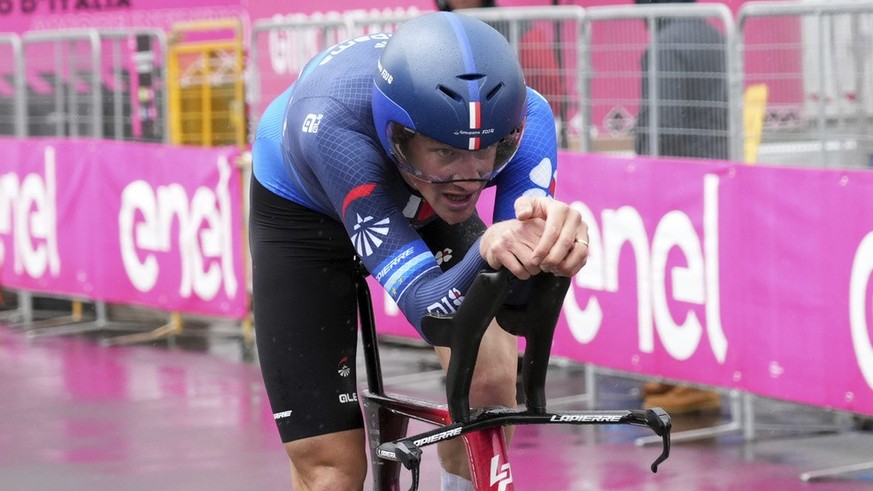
x: 347, y: 398
x: 369, y: 234
x: 448, y: 304
x: 310, y: 124
x: 398, y: 271
x: 281, y: 415
x: 342, y: 368
x: 391, y: 262
x: 336, y: 49
x: 444, y: 256
x: 398, y: 282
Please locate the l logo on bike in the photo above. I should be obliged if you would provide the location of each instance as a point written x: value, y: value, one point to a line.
x: 500, y: 473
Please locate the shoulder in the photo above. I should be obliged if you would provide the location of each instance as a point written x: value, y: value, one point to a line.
x: 540, y: 138
x: 323, y: 133
x: 539, y: 112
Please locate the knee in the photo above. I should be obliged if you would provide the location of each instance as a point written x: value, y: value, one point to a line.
x: 327, y: 477
x: 328, y: 463
x: 494, y: 386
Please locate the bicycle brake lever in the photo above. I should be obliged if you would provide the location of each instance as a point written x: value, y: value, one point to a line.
x: 659, y: 421
x: 405, y: 452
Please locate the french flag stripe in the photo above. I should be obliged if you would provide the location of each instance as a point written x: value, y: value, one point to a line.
x: 474, y: 144
x: 475, y: 115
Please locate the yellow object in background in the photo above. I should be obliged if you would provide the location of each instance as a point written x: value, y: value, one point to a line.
x: 205, y: 78
x: 754, y: 105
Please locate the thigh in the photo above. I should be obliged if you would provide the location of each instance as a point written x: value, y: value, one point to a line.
x: 494, y: 378
x: 305, y: 315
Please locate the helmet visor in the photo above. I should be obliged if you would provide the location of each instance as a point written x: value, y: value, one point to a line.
x: 439, y: 163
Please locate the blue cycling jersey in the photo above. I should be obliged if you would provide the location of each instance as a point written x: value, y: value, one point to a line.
x: 316, y: 145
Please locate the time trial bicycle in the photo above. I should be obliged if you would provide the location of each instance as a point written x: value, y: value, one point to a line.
x: 388, y: 414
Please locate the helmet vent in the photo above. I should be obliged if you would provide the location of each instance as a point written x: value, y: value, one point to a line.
x: 493, y: 92
x: 450, y: 93
x: 471, y: 76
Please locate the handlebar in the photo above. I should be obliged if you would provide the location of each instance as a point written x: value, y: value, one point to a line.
x: 408, y: 450
x: 535, y: 321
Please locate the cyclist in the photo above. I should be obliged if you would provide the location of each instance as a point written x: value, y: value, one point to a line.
x: 380, y: 150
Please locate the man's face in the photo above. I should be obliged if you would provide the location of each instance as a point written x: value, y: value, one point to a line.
x: 455, y: 201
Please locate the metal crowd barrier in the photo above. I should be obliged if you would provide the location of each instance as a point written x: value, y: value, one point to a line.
x: 63, y: 68
x: 81, y: 82
x: 809, y: 63
x: 817, y: 59
x: 12, y: 100
x: 827, y: 120
x: 615, y: 40
x: 137, y: 62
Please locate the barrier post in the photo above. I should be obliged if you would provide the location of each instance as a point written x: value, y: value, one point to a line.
x: 167, y: 331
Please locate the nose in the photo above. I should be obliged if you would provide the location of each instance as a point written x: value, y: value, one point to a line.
x: 472, y: 166
x: 467, y: 186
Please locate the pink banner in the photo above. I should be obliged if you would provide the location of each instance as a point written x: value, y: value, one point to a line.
x: 29, y: 15
x: 748, y: 277
x: 125, y: 223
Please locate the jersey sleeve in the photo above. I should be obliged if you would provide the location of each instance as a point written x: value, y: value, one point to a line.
x: 533, y: 169
x: 360, y: 185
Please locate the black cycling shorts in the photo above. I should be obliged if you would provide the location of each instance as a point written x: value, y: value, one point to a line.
x: 305, y: 310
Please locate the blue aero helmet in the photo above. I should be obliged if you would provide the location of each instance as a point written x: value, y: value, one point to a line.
x: 454, y: 79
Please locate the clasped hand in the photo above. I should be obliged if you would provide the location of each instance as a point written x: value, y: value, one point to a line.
x: 546, y: 235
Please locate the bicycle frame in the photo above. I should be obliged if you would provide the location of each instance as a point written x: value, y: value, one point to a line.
x: 388, y: 415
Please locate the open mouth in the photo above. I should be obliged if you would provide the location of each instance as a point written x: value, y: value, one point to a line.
x: 457, y: 201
